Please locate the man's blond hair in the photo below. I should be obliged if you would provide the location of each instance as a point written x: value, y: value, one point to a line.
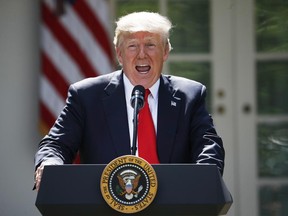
x: 143, y: 21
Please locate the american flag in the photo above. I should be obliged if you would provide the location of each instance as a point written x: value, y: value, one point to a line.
x: 75, y: 44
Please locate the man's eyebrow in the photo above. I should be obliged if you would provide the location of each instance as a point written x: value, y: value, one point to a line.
x: 145, y: 38
x: 132, y: 40
x: 149, y: 38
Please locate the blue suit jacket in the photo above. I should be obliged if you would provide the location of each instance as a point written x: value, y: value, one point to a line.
x: 94, y: 121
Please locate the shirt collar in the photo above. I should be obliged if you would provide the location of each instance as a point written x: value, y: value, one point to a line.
x: 154, y: 90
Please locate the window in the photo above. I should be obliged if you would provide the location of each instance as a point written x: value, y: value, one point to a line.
x: 272, y: 88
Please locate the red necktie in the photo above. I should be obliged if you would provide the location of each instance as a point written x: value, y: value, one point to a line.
x: 146, y: 134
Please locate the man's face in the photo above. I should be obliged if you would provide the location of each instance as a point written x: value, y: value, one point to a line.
x: 142, y: 55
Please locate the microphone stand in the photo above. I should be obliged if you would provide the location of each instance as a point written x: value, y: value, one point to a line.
x: 135, y: 126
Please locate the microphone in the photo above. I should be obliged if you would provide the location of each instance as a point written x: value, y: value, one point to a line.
x: 137, y: 102
x: 137, y: 97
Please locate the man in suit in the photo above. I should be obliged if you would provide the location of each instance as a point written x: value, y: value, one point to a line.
x: 97, y: 119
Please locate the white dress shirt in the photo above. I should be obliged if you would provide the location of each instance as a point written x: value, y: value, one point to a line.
x: 152, y: 100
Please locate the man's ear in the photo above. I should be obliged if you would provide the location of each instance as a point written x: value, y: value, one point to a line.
x: 119, y: 54
x: 166, y: 52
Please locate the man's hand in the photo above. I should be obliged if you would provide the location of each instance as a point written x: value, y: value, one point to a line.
x: 38, y: 176
x: 39, y: 171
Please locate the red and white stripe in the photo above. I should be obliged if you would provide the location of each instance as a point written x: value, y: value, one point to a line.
x: 74, y: 45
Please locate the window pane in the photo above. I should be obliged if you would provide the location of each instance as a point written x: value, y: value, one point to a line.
x: 191, y: 20
x: 272, y: 25
x: 124, y: 7
x: 272, y: 87
x: 200, y: 72
x: 273, y: 200
x: 273, y: 150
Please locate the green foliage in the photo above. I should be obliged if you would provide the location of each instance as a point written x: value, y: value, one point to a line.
x: 192, y: 25
x: 128, y: 6
x: 272, y: 25
x: 272, y: 87
x: 273, y: 150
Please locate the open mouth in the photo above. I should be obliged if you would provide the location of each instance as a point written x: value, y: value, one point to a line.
x: 143, y: 68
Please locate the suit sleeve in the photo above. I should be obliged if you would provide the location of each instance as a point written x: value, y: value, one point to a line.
x: 207, y: 146
x: 62, y: 142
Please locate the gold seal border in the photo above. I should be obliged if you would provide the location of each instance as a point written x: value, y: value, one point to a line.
x: 104, y: 184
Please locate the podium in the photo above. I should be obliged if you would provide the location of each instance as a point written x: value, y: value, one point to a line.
x: 183, y: 189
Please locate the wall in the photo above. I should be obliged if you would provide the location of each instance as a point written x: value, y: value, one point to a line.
x: 19, y: 72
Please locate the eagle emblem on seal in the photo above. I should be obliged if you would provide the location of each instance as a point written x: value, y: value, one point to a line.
x: 128, y: 182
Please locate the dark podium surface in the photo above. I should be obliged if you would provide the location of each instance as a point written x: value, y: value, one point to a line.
x: 183, y: 189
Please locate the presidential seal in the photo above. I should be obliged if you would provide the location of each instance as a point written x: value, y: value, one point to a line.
x: 128, y: 184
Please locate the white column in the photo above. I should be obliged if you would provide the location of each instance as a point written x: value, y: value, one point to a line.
x: 19, y: 69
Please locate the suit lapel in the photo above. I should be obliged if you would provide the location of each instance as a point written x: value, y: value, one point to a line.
x: 169, y: 104
x: 115, y: 108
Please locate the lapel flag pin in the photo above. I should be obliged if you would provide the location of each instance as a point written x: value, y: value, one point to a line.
x: 173, y: 103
